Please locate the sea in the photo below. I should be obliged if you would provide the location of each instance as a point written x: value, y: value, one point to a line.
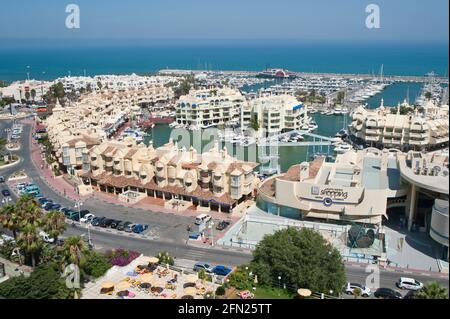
x: 50, y: 59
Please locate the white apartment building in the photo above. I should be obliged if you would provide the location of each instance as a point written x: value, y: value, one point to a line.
x: 209, y: 107
x: 425, y: 129
x: 276, y: 114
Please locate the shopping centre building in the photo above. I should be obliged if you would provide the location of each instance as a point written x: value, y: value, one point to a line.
x: 364, y: 187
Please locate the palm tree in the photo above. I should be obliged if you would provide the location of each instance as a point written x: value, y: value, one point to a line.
x: 29, y: 212
x: 432, y: 290
x: 54, y: 224
x: 30, y: 242
x: 74, y: 250
x: 33, y: 94
x: 10, y: 219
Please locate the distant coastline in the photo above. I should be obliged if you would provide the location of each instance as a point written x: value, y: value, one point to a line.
x: 50, y: 59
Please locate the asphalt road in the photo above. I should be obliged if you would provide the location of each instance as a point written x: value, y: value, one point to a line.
x: 169, y: 230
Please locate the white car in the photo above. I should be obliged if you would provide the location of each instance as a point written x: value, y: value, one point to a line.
x: 202, y: 219
x: 87, y: 218
x: 409, y: 283
x: 15, y: 136
x: 46, y: 237
x: 4, y: 238
x: 350, y: 288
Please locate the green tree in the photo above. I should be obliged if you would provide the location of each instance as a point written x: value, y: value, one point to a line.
x: 99, y: 85
x: 10, y: 219
x: 30, y: 242
x: 254, y: 123
x: 29, y: 211
x: 54, y: 224
x: 55, y: 91
x: 302, y: 258
x: 432, y: 290
x: 27, y: 95
x: 96, y: 264
x: 44, y: 282
x: 165, y: 258
x: 428, y: 95
x: 33, y: 94
x: 74, y: 251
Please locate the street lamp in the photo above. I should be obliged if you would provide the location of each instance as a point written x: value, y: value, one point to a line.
x: 279, y: 285
x: 211, y: 226
x: 78, y: 205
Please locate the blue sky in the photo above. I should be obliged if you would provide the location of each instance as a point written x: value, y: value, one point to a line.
x: 401, y: 20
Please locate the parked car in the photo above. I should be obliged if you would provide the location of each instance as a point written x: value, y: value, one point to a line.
x: 5, y: 238
x: 129, y: 228
x: 55, y: 207
x: 409, y: 283
x: 410, y: 294
x: 221, y: 270
x: 2, y: 179
x: 139, y: 228
x: 6, y: 193
x: 68, y: 213
x: 87, y: 218
x: 15, y: 136
x: 206, y: 267
x: 46, y: 237
x: 97, y: 220
x: 202, y: 219
x: 106, y: 222
x: 350, y: 288
x: 84, y: 212
x: 35, y: 194
x: 47, y: 205
x: 387, y: 293
x: 64, y: 209
x: 74, y: 216
x: 115, y: 223
x: 123, y: 225
x: 43, y: 200
x: 222, y: 225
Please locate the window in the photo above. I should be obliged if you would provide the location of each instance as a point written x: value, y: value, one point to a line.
x: 65, y: 151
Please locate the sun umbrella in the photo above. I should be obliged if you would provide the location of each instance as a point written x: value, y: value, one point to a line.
x: 123, y: 285
x: 304, y: 292
x: 191, y: 291
x: 150, y: 260
x: 107, y: 285
x: 148, y: 278
x: 145, y: 285
x: 158, y: 283
x: 191, y: 278
x: 187, y: 297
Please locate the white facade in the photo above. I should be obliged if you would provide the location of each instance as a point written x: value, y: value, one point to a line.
x: 276, y: 114
x: 419, y: 131
x: 210, y: 107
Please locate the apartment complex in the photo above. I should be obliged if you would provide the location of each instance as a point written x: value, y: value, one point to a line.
x: 275, y: 114
x: 212, y: 180
x: 95, y: 118
x: 423, y: 129
x: 209, y: 107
